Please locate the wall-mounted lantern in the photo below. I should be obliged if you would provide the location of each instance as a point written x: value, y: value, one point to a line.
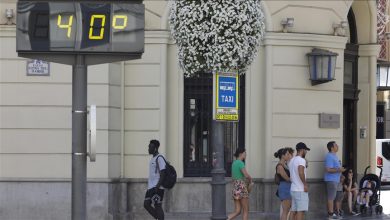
x: 382, y: 76
x: 322, y: 66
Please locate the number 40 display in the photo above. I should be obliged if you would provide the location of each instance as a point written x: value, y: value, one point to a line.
x: 115, y: 20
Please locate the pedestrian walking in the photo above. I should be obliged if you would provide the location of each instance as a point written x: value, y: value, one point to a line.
x: 241, y: 181
x: 299, y: 186
x: 333, y: 170
x: 155, y: 193
x: 284, y: 187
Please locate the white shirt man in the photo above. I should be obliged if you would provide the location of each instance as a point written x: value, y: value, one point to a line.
x: 154, y: 171
x: 299, y: 188
x: 155, y: 193
x: 296, y: 182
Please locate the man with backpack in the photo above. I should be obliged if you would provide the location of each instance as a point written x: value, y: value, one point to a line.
x: 155, y: 193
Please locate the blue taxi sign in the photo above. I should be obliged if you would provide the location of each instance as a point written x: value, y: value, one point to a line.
x: 226, y: 98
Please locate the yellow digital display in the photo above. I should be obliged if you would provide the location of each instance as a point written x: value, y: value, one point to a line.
x: 84, y: 26
x: 66, y: 26
x: 119, y: 22
x: 119, y: 17
x: 92, y: 26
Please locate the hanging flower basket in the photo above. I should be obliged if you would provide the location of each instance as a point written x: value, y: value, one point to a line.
x: 216, y: 35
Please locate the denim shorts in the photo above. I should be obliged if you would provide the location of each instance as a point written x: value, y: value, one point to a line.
x: 299, y: 201
x: 284, y: 190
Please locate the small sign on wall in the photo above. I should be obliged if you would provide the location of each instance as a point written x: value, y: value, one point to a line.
x: 225, y: 96
x: 37, y: 68
x: 329, y: 120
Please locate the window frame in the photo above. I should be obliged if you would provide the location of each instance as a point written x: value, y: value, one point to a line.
x: 201, y: 88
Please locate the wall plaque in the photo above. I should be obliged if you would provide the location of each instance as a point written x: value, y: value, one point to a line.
x: 37, y: 68
x: 329, y: 120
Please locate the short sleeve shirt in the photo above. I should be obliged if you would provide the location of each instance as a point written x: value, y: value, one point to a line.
x: 296, y: 182
x: 332, y: 161
x: 236, y: 170
x: 154, y: 174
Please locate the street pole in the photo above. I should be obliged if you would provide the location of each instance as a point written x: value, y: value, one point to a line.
x: 79, y: 138
x: 218, y: 183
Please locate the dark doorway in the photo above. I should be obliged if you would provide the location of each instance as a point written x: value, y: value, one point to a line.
x: 349, y: 134
x: 197, y: 127
x: 351, y: 96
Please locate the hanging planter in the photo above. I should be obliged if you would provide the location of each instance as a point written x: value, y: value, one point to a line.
x: 216, y: 35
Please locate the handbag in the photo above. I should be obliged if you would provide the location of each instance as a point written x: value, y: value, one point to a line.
x: 250, y: 186
x: 277, y: 176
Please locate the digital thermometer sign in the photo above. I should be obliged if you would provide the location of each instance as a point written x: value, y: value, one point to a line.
x: 80, y: 27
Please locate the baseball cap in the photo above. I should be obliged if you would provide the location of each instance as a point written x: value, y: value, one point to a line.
x: 301, y: 145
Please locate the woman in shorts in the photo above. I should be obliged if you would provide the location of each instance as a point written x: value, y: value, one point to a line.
x: 284, y: 155
x: 351, y: 189
x: 241, y: 181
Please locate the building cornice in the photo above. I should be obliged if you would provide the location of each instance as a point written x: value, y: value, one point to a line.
x: 7, y: 31
x: 304, y: 40
x: 368, y: 50
x: 157, y: 37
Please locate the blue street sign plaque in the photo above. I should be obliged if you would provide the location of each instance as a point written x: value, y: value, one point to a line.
x: 226, y: 96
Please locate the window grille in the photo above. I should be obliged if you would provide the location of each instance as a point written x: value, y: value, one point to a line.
x: 382, y: 20
x: 197, y: 127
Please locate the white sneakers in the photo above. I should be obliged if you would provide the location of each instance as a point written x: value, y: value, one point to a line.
x: 354, y: 213
x: 334, y: 216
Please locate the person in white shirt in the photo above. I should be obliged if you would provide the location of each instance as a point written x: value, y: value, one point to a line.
x: 299, y: 187
x: 155, y: 193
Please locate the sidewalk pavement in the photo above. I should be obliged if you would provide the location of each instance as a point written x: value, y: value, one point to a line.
x: 271, y: 216
x: 385, y: 202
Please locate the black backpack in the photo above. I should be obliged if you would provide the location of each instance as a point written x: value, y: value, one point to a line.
x: 170, y: 174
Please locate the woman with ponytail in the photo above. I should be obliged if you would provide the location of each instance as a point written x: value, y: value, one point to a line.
x: 284, y: 155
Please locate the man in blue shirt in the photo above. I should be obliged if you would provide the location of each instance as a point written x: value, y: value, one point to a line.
x: 333, y: 171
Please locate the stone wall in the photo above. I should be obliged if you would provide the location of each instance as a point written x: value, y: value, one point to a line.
x: 123, y: 199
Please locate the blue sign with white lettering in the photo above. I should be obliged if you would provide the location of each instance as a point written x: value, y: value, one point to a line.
x: 225, y: 85
x: 227, y: 92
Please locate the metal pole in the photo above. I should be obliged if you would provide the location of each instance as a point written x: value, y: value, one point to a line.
x: 79, y: 139
x: 218, y: 183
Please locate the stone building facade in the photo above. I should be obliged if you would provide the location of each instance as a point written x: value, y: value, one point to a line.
x: 149, y: 98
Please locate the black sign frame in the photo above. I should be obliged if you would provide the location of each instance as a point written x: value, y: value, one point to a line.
x: 94, y: 51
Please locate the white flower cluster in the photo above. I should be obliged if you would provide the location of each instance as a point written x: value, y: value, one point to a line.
x: 216, y: 35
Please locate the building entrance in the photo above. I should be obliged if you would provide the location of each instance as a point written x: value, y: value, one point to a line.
x: 351, y: 97
x: 349, y: 134
x: 198, y: 106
